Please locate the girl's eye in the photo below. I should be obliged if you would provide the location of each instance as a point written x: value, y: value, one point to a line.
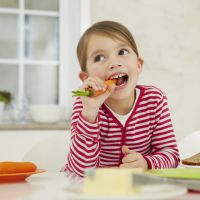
x: 99, y: 58
x: 123, y: 51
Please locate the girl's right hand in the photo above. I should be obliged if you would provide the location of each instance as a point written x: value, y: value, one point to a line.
x: 91, y: 105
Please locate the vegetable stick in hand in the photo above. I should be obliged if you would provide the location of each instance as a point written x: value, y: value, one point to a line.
x: 91, y: 92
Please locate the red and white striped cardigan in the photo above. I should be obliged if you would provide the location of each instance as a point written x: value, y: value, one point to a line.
x: 148, y: 130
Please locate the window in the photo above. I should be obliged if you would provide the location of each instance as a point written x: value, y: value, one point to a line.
x: 38, y: 48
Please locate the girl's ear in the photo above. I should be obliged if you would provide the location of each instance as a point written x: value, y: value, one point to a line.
x: 140, y: 64
x: 83, y: 75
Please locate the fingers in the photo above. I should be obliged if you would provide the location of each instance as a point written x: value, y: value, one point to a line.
x: 130, y: 158
x: 111, y: 88
x: 133, y: 159
x: 139, y: 163
x: 126, y: 150
x: 130, y: 165
x: 95, y: 83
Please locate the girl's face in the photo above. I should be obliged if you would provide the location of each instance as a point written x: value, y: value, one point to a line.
x: 110, y: 58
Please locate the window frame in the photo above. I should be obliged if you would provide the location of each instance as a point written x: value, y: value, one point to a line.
x: 77, y: 20
x: 74, y: 18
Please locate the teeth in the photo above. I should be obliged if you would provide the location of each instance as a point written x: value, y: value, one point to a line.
x: 117, y: 76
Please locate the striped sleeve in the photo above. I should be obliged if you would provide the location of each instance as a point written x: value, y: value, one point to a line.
x: 165, y: 152
x: 85, y: 145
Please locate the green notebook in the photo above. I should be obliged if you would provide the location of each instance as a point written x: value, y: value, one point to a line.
x: 179, y: 173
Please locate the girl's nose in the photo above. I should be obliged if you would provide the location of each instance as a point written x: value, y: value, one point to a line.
x: 115, y: 66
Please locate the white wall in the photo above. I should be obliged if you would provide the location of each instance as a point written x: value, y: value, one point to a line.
x: 167, y: 33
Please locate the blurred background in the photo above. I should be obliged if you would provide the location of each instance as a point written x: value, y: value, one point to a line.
x: 38, y: 39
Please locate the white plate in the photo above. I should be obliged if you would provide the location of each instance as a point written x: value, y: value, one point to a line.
x: 148, y: 192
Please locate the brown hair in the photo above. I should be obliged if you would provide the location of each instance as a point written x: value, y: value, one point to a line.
x: 111, y: 29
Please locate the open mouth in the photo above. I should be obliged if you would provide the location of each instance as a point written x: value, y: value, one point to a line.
x: 120, y: 78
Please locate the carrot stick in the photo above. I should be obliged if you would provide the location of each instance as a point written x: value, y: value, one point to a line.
x: 9, y: 167
x: 91, y: 92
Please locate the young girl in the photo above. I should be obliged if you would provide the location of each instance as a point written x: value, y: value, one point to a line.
x: 128, y: 125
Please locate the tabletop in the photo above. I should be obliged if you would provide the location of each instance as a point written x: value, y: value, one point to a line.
x: 51, y: 186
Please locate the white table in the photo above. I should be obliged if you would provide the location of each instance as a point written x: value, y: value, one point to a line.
x: 44, y: 186
x: 50, y: 186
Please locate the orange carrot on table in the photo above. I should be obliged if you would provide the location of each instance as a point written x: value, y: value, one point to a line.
x: 9, y: 167
x: 91, y: 92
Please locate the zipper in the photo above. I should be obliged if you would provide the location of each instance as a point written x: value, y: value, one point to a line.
x: 123, y: 139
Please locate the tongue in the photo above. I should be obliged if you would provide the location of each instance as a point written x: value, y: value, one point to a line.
x: 120, y: 81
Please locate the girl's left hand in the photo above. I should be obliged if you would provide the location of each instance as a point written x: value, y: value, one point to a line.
x: 133, y: 159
